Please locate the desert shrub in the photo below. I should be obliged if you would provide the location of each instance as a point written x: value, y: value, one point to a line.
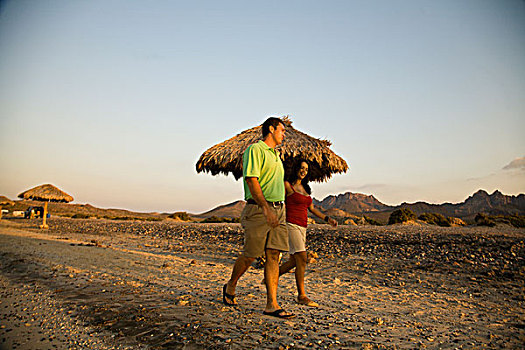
x: 80, y: 216
x: 514, y: 220
x: 216, y: 219
x: 517, y: 220
x: 371, y: 221
x: 456, y: 221
x: 136, y: 218
x: 153, y: 219
x: 182, y: 215
x: 434, y: 219
x: 122, y: 218
x: 401, y: 215
x: 484, y: 220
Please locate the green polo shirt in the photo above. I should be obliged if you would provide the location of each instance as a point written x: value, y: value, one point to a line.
x: 263, y: 162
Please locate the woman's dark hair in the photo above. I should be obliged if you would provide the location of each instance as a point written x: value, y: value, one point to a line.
x: 293, y: 175
x: 272, y: 121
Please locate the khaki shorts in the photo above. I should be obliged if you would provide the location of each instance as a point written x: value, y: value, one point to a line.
x: 297, y: 238
x: 258, y: 235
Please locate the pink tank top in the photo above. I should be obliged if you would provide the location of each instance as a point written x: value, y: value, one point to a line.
x: 297, y: 208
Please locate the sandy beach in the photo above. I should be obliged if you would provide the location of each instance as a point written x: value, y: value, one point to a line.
x: 101, y: 284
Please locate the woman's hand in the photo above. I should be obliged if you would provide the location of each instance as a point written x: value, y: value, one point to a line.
x: 332, y: 222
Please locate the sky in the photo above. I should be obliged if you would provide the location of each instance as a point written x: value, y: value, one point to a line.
x: 114, y: 101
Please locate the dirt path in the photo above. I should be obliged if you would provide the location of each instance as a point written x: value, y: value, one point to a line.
x: 123, y: 290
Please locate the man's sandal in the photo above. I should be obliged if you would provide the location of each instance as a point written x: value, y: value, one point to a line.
x: 228, y: 299
x: 279, y: 313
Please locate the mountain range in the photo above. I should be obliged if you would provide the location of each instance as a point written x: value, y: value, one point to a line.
x: 357, y: 204
x: 480, y: 202
x: 231, y: 210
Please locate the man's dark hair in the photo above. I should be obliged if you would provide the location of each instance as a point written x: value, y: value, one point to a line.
x: 273, y: 121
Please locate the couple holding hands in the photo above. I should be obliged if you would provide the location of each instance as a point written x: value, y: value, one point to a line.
x: 274, y: 219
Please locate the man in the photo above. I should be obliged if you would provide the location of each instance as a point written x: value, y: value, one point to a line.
x: 263, y: 218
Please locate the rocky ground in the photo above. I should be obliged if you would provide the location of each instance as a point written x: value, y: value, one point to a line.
x: 100, y: 284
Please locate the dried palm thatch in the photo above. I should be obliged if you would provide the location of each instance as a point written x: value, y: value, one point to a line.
x: 226, y: 156
x: 46, y: 193
x: 5, y: 201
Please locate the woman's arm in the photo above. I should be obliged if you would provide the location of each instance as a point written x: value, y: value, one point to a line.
x: 322, y: 216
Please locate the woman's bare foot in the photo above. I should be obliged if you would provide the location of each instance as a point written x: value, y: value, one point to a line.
x: 304, y: 300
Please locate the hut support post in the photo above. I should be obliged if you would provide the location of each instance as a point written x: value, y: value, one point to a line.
x: 44, y: 225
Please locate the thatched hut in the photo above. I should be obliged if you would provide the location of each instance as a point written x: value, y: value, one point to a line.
x: 226, y: 157
x: 4, y: 201
x: 46, y: 193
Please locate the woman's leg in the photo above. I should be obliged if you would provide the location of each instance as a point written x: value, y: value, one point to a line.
x: 300, y: 267
x: 300, y: 259
x: 287, y: 266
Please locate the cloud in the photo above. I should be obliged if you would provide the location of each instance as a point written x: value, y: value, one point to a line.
x: 371, y: 186
x: 518, y: 163
x: 514, y: 168
x: 510, y: 179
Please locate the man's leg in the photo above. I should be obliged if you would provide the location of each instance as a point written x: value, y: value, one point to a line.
x: 284, y: 268
x: 242, y: 264
x: 271, y: 275
x: 251, y: 240
x: 278, y: 238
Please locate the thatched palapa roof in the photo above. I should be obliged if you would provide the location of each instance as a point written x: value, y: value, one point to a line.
x: 48, y: 193
x: 226, y: 156
x: 5, y: 201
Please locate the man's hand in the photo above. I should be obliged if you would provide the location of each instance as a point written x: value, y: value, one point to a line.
x: 257, y: 195
x: 271, y: 218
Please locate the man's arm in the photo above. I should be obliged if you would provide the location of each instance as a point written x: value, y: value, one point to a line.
x: 257, y: 195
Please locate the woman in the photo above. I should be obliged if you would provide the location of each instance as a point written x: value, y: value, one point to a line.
x: 298, y: 202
